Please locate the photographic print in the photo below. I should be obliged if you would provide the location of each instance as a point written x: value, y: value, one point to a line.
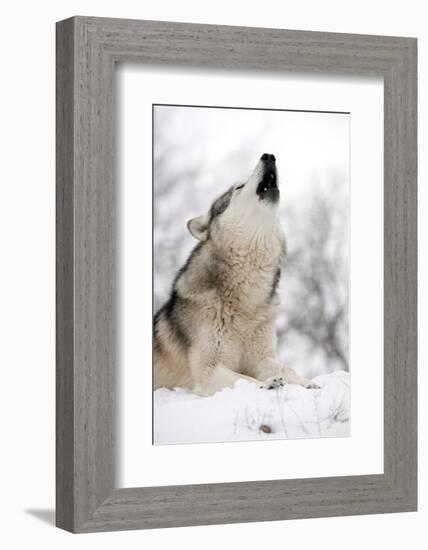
x: 242, y: 244
x: 251, y: 274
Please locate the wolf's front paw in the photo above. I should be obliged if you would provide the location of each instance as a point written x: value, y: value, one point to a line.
x: 274, y: 383
x: 310, y: 385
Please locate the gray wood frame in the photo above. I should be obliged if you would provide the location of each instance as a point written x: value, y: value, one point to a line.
x: 87, y: 50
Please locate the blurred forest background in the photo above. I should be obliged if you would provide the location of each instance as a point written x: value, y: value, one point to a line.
x: 200, y: 152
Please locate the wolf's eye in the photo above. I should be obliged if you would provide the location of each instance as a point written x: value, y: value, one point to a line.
x: 239, y: 187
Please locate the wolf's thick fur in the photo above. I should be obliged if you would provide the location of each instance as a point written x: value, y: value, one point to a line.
x: 218, y: 325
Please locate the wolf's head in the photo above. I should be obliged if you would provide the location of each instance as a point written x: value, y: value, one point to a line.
x: 245, y: 209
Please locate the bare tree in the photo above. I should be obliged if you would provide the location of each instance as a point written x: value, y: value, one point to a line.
x: 315, y: 287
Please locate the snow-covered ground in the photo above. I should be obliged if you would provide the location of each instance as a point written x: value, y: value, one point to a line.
x: 247, y: 412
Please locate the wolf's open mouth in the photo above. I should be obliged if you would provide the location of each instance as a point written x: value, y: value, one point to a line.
x: 268, y: 187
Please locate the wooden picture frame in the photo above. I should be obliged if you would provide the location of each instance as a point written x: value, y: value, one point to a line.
x: 87, y: 50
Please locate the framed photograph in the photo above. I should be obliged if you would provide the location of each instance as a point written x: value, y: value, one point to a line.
x: 236, y: 274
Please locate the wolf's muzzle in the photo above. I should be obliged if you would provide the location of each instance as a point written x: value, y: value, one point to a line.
x: 267, y: 189
x: 268, y: 158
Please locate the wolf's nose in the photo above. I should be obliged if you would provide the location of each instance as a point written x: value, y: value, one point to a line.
x: 268, y: 158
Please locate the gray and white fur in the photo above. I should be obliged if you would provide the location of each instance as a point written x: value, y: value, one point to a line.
x: 218, y: 325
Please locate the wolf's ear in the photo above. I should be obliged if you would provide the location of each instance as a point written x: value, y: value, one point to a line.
x: 198, y: 227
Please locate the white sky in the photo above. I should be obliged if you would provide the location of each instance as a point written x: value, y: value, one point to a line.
x: 310, y: 147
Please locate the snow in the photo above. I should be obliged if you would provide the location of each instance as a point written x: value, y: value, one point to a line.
x: 248, y: 412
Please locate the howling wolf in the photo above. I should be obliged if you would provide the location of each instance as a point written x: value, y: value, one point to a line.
x: 218, y: 325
